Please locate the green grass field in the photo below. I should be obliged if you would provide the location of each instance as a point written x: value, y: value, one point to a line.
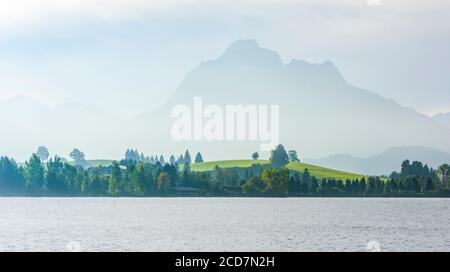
x: 317, y: 171
x: 96, y: 163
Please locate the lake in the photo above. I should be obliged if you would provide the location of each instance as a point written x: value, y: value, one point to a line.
x: 224, y: 224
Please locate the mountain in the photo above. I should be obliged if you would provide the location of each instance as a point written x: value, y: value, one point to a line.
x: 443, y: 118
x: 320, y: 112
x: 386, y: 162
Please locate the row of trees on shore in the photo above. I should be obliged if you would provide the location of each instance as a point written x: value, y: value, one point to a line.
x: 137, y: 177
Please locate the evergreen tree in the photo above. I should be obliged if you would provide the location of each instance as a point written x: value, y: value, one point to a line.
x: 314, y: 185
x: 114, y: 180
x: 371, y: 187
x: 180, y: 160
x: 363, y: 185
x: 198, y: 158
x: 306, y: 175
x: 172, y: 160
x: 138, y: 180
x: 34, y: 175
x: 11, y: 176
x: 293, y: 187
x: 279, y: 157
x: 56, y: 179
x: 348, y: 187
x: 187, y: 157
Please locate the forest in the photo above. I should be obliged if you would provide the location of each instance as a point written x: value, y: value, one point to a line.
x: 137, y: 175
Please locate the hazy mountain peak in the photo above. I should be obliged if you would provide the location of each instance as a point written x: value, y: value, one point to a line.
x: 248, y: 52
x: 325, y: 69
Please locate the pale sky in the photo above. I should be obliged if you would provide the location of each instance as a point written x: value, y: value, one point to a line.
x: 128, y: 56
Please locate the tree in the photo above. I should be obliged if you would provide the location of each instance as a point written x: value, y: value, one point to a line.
x: 138, y: 180
x: 279, y: 157
x: 152, y: 160
x: 371, y: 186
x: 444, y: 176
x: 172, y: 160
x: 55, y: 180
x: 35, y: 171
x: 180, y: 160
x: 198, y: 158
x: 363, y: 186
x: 293, y: 157
x: 187, y: 167
x: 348, y: 187
x: 78, y: 157
x: 306, y: 175
x: 314, y: 185
x: 253, y: 185
x: 98, y: 184
x: 276, y: 181
x: 42, y: 153
x: 132, y: 155
x: 11, y: 176
x: 75, y: 177
x: 187, y: 157
x: 405, y: 169
x: 255, y: 156
x: 294, y: 186
x: 163, y: 182
x: 114, y: 180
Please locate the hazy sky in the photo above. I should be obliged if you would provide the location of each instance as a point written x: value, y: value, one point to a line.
x: 128, y: 56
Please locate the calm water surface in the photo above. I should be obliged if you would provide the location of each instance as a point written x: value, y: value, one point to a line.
x: 223, y: 224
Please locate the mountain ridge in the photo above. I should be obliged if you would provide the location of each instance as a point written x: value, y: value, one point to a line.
x: 386, y: 162
x: 320, y: 113
x: 316, y: 95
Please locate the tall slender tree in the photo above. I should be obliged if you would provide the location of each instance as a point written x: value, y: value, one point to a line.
x: 187, y: 157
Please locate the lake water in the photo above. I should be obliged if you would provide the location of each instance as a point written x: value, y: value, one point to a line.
x: 224, y: 224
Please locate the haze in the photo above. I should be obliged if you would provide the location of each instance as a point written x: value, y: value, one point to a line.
x: 126, y: 58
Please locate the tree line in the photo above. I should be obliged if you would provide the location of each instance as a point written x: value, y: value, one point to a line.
x: 138, y: 175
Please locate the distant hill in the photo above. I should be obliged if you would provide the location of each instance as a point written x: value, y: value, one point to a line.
x: 386, y: 162
x: 443, y: 118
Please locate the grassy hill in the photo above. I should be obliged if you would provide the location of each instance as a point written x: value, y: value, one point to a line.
x: 317, y: 171
x: 95, y: 163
